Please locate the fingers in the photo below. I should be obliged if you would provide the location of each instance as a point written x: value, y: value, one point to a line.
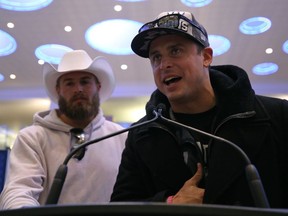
x: 197, y: 176
x: 190, y: 192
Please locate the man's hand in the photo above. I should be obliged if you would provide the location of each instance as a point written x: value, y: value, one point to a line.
x: 190, y: 193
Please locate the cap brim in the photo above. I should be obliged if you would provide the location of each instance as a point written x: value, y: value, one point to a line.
x: 141, y: 42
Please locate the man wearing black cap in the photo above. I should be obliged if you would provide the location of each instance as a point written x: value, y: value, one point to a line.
x: 167, y: 163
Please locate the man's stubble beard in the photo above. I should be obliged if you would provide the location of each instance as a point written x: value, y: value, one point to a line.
x: 81, y: 111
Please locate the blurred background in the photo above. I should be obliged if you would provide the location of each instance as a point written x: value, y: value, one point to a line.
x: 250, y: 34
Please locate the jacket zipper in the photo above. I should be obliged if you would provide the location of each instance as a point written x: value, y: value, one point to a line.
x: 235, y: 116
x: 229, y: 118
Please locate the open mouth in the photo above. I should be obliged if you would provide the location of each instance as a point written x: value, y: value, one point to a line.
x: 171, y: 80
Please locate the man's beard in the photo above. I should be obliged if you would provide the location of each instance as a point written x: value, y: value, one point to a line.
x: 79, y: 111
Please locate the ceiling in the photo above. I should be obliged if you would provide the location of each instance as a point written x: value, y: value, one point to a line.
x: 134, y: 85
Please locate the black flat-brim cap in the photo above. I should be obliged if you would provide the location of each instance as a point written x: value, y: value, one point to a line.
x: 192, y: 30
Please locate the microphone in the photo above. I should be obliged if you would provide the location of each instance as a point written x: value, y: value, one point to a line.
x: 253, y: 178
x: 61, y: 173
x: 77, y: 138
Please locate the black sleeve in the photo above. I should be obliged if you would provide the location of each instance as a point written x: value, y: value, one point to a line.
x: 134, y: 181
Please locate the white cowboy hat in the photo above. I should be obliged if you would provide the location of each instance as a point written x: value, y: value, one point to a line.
x: 79, y: 60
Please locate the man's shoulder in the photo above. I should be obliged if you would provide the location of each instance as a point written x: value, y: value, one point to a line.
x: 269, y: 100
x: 274, y: 106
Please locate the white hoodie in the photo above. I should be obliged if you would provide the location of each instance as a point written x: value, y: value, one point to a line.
x: 42, y: 147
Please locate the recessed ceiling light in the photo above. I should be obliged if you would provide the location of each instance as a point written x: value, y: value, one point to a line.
x: 41, y: 62
x: 10, y: 25
x: 51, y: 53
x: 285, y: 47
x: 196, y: 3
x: 12, y: 76
x: 68, y: 28
x: 21, y: 5
x: 8, y: 44
x: 113, y: 36
x: 255, y: 25
x: 124, y: 67
x: 269, y: 50
x: 265, y: 68
x: 117, y: 8
x: 219, y: 44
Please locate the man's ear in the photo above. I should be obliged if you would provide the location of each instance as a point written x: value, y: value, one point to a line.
x: 58, y: 89
x: 98, y: 86
x: 208, y: 56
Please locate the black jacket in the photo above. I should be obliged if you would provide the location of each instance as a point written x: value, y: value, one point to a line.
x: 153, y: 168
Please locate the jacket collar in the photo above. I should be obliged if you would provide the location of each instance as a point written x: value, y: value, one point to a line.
x: 234, y: 93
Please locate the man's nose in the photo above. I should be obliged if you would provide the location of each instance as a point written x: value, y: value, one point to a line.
x: 165, y: 63
x: 78, y: 87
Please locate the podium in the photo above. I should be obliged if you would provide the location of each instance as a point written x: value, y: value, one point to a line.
x: 142, y: 209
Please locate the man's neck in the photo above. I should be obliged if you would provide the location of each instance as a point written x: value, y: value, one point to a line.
x: 193, y: 106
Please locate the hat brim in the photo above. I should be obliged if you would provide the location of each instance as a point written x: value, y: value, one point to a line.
x: 141, y: 42
x: 99, y: 67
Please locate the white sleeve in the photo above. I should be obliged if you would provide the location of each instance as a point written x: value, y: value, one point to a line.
x: 25, y: 174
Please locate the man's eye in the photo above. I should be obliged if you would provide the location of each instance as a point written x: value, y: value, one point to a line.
x: 68, y: 83
x: 175, y: 51
x: 156, y: 58
x: 84, y: 82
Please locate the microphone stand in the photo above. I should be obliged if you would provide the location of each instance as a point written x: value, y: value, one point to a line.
x: 253, y: 178
x: 61, y: 173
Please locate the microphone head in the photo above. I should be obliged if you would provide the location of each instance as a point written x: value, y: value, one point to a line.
x: 152, y: 106
x: 150, y: 110
x: 161, y: 108
x: 77, y: 138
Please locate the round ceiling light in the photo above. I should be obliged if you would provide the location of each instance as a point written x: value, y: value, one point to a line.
x: 1, y: 77
x: 51, y: 53
x: 285, y: 47
x: 196, y: 3
x: 8, y: 44
x: 255, y: 25
x: 113, y: 36
x: 24, y: 5
x: 131, y: 0
x: 265, y: 68
x: 219, y: 44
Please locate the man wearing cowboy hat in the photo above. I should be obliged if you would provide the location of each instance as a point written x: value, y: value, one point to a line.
x: 79, y: 86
